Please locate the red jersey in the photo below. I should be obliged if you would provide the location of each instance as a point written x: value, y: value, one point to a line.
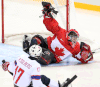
x: 59, y: 44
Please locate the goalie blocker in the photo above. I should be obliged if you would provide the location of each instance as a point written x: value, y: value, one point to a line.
x: 85, y: 54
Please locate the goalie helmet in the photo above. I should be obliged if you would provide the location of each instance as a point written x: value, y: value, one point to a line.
x: 35, y: 50
x: 73, y: 35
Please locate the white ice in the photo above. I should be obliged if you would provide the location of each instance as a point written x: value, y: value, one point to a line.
x: 88, y: 26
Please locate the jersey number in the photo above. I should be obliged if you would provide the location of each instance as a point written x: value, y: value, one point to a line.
x: 18, y: 70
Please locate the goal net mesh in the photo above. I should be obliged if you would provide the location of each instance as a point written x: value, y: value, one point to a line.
x: 22, y: 17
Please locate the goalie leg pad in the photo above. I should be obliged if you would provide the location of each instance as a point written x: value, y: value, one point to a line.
x: 41, y: 41
x: 33, y: 42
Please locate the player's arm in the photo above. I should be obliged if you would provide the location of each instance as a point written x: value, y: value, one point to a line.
x: 8, y: 66
x: 49, y: 21
x: 85, y: 54
x: 36, y: 77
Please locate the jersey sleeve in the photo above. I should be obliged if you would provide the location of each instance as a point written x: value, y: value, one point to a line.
x: 11, y: 66
x: 36, y: 77
x: 51, y: 25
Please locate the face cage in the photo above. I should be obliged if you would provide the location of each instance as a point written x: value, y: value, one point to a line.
x: 73, y: 38
x: 34, y: 53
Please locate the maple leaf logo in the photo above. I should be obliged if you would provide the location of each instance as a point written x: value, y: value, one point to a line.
x: 59, y: 52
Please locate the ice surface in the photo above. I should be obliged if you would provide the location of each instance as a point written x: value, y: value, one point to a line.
x: 88, y: 74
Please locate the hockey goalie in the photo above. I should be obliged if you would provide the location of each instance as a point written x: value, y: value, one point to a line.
x: 63, y: 44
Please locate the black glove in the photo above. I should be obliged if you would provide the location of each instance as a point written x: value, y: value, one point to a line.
x: 48, y: 10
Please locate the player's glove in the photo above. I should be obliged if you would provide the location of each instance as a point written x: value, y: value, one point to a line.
x: 5, y: 66
x: 48, y: 10
x: 85, y: 54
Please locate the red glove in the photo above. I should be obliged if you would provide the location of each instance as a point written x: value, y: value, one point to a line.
x: 85, y: 54
x: 5, y: 66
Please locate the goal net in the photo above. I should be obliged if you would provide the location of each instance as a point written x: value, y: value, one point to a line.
x: 21, y: 17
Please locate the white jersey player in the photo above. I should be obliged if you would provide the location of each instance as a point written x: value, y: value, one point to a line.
x: 26, y: 70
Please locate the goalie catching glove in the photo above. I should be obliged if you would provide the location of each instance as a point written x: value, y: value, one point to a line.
x: 85, y: 54
x: 48, y: 10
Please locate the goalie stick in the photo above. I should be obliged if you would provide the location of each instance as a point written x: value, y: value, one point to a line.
x: 96, y: 50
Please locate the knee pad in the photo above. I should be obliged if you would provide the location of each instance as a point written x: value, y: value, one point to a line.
x: 40, y: 41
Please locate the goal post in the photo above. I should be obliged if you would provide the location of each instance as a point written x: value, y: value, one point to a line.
x: 21, y: 17
x: 2, y: 13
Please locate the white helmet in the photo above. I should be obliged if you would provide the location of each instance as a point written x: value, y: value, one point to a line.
x: 35, y: 50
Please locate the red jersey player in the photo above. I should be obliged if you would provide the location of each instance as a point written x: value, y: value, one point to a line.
x: 64, y: 44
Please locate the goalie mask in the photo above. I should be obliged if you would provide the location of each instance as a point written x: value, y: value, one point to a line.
x: 35, y: 50
x: 73, y: 36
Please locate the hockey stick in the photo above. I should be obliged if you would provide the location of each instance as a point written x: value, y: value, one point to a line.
x: 96, y: 50
x: 70, y: 80
x: 41, y: 15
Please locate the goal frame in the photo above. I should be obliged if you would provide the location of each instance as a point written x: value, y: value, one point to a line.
x: 2, y: 10
x: 67, y: 18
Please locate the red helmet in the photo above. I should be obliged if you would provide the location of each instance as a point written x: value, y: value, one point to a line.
x: 72, y: 32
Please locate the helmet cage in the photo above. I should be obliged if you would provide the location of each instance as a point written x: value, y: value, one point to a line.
x: 73, y: 37
x: 35, y: 50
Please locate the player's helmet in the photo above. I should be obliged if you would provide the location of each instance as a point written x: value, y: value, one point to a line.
x: 73, y: 35
x: 35, y: 50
